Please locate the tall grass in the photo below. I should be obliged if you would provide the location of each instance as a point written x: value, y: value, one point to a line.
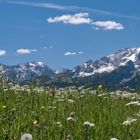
x: 61, y: 115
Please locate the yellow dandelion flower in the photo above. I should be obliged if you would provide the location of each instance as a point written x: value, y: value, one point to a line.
x: 100, y: 88
x: 35, y: 122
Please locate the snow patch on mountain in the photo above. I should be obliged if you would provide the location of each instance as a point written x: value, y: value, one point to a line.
x: 26, y: 71
x: 41, y: 63
x: 102, y: 69
x: 109, y: 63
x: 84, y: 74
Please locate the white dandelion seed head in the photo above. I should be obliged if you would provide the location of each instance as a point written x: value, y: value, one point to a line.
x: 26, y: 137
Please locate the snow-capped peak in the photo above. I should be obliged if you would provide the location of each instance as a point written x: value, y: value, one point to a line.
x: 40, y: 63
x: 109, y: 62
x: 27, y: 71
x: 125, y: 54
x: 35, y: 63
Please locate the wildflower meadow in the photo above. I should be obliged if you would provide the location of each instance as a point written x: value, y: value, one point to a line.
x: 28, y: 113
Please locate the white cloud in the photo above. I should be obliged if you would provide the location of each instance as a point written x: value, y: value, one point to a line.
x: 83, y: 18
x: 79, y: 18
x: 47, y: 47
x: 40, y: 5
x: 70, y: 53
x: 25, y: 51
x: 33, y: 50
x: 73, y: 53
x: 70, y: 8
x: 80, y: 52
x: 50, y: 47
x: 2, y: 52
x: 108, y: 25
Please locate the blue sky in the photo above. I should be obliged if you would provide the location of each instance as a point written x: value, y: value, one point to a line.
x: 66, y: 33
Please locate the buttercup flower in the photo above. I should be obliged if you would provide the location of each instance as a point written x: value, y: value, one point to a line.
x: 35, y: 122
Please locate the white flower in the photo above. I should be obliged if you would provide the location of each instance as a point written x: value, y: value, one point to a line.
x: 59, y: 124
x: 70, y: 101
x: 14, y: 109
x: 60, y: 100
x: 69, y: 137
x: 26, y: 137
x: 133, y: 103
x: 100, y: 95
x: 72, y: 114
x: 114, y: 139
x: 5, y: 90
x: 71, y: 119
x: 129, y: 121
x: 88, y: 124
x: 10, y: 84
x: 138, y: 114
x: 92, y: 125
x: 4, y: 106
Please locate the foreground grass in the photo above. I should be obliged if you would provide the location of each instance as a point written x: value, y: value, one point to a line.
x: 60, y: 115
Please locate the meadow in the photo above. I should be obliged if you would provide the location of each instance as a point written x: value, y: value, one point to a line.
x: 68, y: 114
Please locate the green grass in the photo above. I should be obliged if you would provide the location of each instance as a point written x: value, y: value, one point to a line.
x: 38, y: 112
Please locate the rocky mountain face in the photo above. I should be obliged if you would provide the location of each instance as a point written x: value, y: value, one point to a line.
x: 119, y: 69
x: 109, y: 63
x: 26, y: 71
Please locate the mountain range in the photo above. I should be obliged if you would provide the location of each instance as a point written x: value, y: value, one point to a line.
x: 117, y: 70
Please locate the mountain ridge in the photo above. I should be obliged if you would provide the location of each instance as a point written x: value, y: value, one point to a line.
x: 120, y: 67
